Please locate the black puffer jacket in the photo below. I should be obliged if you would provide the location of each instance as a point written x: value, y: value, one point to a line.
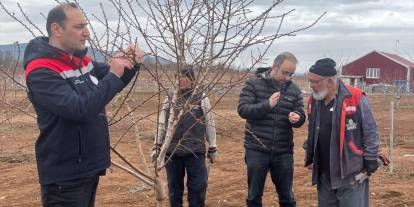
x: 268, y: 129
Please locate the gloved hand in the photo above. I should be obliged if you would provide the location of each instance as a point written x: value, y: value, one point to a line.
x: 211, y: 155
x: 155, y: 152
x: 371, y: 166
x: 129, y: 74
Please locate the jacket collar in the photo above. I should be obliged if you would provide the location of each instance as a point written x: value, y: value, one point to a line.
x: 343, y: 92
x: 39, y: 47
x: 280, y: 87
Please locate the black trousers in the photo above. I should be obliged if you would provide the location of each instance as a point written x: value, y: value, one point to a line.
x: 281, y: 171
x: 73, y: 193
x: 196, y: 170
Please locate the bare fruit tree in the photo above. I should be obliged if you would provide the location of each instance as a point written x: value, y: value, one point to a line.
x: 214, y: 36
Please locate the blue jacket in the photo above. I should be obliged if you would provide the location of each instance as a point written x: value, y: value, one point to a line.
x: 69, y: 94
x: 354, y: 136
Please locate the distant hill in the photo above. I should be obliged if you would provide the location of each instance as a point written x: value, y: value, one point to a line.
x: 13, y: 50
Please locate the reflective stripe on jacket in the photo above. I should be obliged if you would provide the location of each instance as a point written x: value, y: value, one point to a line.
x: 354, y: 135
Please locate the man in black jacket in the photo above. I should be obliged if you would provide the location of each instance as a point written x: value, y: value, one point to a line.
x: 271, y: 107
x: 69, y: 93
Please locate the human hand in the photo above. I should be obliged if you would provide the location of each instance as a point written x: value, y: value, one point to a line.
x: 119, y: 62
x: 293, y: 117
x: 371, y: 166
x: 135, y: 53
x: 273, y: 99
x: 155, y: 152
x: 211, y: 155
x: 309, y: 167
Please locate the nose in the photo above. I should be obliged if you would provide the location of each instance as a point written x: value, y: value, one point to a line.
x: 86, y: 32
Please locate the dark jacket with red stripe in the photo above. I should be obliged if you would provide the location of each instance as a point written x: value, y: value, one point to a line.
x: 354, y: 136
x: 69, y: 94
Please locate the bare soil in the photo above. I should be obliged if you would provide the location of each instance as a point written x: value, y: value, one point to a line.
x: 227, y: 181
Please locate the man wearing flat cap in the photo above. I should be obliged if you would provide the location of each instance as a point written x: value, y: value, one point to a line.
x: 342, y: 148
x: 271, y: 106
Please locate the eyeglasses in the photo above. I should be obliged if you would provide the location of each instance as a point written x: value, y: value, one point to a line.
x: 288, y: 74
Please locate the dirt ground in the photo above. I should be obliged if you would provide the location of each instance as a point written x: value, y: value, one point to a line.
x: 227, y: 182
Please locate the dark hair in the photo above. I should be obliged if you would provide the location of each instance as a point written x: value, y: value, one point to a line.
x: 285, y: 56
x: 57, y: 15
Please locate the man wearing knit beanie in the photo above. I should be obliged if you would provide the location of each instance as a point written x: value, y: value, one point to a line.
x: 342, y: 148
x: 188, y: 71
x: 187, y: 152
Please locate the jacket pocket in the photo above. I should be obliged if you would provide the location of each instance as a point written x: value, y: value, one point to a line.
x: 352, y: 157
x: 352, y: 146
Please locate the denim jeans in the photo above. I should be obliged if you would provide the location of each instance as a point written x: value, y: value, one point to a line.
x: 74, y: 193
x: 196, y: 170
x: 281, y: 171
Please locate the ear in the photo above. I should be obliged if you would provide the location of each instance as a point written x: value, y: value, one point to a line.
x: 331, y: 82
x: 274, y: 69
x: 56, y: 29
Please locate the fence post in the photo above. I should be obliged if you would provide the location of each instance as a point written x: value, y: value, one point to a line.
x: 391, y: 152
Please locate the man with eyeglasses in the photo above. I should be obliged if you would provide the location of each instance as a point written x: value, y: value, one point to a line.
x: 342, y: 149
x: 271, y: 106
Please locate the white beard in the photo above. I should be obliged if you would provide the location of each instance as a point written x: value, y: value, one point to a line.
x: 319, y: 95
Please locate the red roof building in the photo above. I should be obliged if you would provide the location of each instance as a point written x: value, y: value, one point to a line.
x: 380, y: 67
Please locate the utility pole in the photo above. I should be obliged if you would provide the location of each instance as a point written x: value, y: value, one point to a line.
x: 391, y: 147
x: 397, y: 44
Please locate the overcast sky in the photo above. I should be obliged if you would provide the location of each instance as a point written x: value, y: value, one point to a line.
x: 350, y: 29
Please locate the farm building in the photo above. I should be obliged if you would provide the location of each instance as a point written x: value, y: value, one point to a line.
x: 379, y: 67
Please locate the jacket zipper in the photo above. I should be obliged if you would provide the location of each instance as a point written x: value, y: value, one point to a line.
x: 339, y: 112
x: 274, y: 125
x: 80, y: 146
x: 274, y: 132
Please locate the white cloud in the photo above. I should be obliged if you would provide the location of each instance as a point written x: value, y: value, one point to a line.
x: 351, y: 27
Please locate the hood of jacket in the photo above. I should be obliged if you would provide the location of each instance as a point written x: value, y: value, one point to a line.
x: 39, y: 47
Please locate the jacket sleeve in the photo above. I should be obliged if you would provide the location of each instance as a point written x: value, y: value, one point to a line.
x: 308, y: 153
x: 129, y: 74
x: 298, y: 108
x: 162, y: 121
x: 308, y: 144
x: 248, y: 108
x: 50, y: 91
x: 371, y: 141
x: 209, y: 120
x: 100, y: 69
